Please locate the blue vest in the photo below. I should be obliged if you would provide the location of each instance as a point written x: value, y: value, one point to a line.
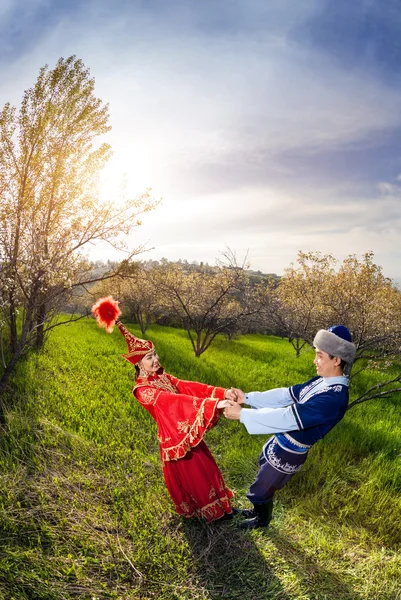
x: 316, y: 410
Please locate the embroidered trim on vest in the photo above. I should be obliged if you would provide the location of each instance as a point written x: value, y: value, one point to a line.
x: 276, y: 462
x: 299, y: 444
x: 307, y: 388
x: 290, y: 445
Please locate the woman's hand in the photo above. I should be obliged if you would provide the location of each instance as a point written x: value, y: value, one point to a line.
x: 223, y: 404
x: 235, y: 395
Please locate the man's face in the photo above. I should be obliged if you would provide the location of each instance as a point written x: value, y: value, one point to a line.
x: 325, y: 365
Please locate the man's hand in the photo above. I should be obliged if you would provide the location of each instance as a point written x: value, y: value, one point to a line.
x: 233, y: 411
x: 236, y: 395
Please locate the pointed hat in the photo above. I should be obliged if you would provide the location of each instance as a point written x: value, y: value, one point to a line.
x: 137, y: 348
x: 106, y: 312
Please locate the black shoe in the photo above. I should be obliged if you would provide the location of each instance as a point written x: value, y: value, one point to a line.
x: 262, y: 518
x: 249, y: 513
x: 253, y: 523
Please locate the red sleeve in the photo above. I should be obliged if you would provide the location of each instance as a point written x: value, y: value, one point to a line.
x: 182, y: 420
x: 147, y: 395
x: 195, y: 388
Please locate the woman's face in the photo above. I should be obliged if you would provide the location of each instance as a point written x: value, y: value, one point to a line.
x: 150, y: 362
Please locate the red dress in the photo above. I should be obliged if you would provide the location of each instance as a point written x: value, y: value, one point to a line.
x: 184, y: 411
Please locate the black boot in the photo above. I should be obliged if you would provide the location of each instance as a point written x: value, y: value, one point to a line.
x: 249, y: 513
x: 262, y: 518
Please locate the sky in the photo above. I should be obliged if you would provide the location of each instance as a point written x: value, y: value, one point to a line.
x: 265, y: 126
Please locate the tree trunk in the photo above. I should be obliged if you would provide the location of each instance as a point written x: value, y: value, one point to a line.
x: 3, y: 384
x: 40, y: 331
x: 198, y: 348
x: 14, y: 359
x: 297, y: 345
x: 13, y: 326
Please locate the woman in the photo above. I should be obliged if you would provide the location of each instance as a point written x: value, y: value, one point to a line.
x: 183, y: 411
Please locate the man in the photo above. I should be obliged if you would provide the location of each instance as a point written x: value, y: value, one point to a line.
x: 299, y: 416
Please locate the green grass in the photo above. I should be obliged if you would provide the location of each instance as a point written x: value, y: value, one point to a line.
x: 84, y: 512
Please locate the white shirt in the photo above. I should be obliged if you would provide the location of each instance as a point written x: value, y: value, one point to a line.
x: 273, y: 414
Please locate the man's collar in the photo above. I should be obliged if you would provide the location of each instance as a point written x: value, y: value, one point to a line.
x: 337, y: 380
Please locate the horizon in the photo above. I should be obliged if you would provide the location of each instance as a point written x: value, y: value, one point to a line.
x: 250, y: 269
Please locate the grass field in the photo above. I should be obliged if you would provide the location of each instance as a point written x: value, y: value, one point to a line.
x: 85, y: 514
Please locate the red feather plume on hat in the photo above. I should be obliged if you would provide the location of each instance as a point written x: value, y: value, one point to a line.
x: 106, y: 312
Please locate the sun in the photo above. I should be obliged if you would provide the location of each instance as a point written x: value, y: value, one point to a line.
x: 127, y: 174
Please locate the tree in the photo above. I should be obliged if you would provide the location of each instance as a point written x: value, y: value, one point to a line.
x: 206, y: 300
x: 136, y: 292
x: 49, y: 202
x: 140, y: 299
x: 258, y: 300
x: 370, y: 304
x: 320, y: 292
x: 299, y: 303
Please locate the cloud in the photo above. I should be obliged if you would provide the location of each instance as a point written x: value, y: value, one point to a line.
x: 362, y: 35
x: 253, y: 120
x: 274, y: 226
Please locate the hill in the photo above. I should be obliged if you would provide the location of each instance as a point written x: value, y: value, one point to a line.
x: 84, y: 511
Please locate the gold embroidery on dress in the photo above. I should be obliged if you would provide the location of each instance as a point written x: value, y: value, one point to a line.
x: 184, y: 506
x: 175, y: 452
x: 148, y: 396
x: 162, y: 382
x: 219, y: 505
x: 212, y: 493
x: 211, y: 511
x: 191, y: 430
x: 183, y: 426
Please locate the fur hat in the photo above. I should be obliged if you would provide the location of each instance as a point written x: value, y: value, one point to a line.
x: 336, y: 341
